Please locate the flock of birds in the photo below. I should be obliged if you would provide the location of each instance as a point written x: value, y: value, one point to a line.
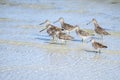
x: 63, y: 33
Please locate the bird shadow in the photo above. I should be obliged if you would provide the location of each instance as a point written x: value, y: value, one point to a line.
x: 49, y: 41
x: 76, y: 40
x: 97, y: 38
x: 55, y: 43
x: 41, y: 35
x: 91, y: 51
x: 43, y: 39
x: 97, y: 55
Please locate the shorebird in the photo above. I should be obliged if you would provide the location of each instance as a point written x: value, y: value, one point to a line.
x: 98, y: 29
x: 83, y: 34
x: 66, y: 26
x: 97, y: 45
x: 63, y: 36
x: 51, y: 29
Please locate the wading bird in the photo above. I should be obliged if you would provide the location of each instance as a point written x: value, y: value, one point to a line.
x: 51, y: 29
x: 66, y: 26
x: 97, y: 45
x: 83, y: 34
x: 63, y: 36
x: 98, y: 29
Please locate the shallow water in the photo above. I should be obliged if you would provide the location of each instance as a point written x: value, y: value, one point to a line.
x: 26, y: 54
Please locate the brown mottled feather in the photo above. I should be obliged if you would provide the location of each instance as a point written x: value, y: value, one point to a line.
x: 98, y: 45
x: 65, y: 36
x: 100, y: 30
x: 68, y: 26
x: 51, y: 31
x: 82, y: 33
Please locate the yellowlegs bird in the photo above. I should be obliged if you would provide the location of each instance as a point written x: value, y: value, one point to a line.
x: 97, y: 45
x: 99, y: 30
x: 83, y: 34
x: 66, y: 26
x: 63, y: 36
x: 51, y: 29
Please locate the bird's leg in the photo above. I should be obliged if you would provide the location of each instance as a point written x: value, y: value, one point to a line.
x: 96, y: 51
x: 65, y: 42
x: 51, y: 41
x: 56, y: 38
x: 53, y: 38
x: 62, y: 42
x: 68, y: 32
x: 102, y: 37
x: 82, y: 40
x: 99, y: 51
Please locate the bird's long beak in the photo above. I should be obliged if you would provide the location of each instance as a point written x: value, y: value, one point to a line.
x: 42, y: 23
x: 55, y: 21
x: 88, y: 22
x: 43, y: 29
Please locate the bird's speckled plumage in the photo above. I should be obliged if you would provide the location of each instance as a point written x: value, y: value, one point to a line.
x: 83, y: 34
x: 97, y: 45
x: 66, y: 26
x: 51, y: 29
x: 98, y: 29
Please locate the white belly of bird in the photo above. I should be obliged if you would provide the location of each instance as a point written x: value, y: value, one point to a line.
x: 84, y: 37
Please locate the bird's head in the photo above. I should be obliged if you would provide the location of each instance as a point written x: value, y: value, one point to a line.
x: 45, y: 22
x: 61, y: 20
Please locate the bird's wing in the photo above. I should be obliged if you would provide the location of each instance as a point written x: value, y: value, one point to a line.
x: 103, y: 31
x: 68, y: 26
x: 83, y: 33
x: 100, y: 45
